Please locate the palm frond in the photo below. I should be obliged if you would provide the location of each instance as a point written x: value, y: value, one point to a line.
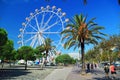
x: 84, y: 19
x: 77, y: 20
x: 71, y: 43
x: 97, y: 37
x: 92, y: 25
x: 66, y: 31
x: 93, y: 41
x: 67, y: 36
x: 96, y: 28
x: 76, y: 46
x: 81, y: 18
x: 91, y: 21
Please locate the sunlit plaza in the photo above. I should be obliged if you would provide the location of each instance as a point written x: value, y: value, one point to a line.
x: 59, y: 40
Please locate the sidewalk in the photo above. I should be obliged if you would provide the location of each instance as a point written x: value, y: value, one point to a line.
x: 96, y: 74
x: 59, y: 74
x: 73, y: 73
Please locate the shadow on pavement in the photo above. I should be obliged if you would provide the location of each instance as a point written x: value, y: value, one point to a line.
x: 11, y: 73
x: 103, y: 78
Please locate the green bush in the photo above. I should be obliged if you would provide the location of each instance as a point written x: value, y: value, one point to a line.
x: 65, y: 59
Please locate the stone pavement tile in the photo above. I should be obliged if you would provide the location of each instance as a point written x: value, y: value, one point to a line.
x: 59, y: 74
x: 77, y: 76
x: 97, y: 74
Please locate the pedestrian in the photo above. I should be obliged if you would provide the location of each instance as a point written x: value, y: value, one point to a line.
x: 113, y: 71
x: 95, y: 65
x: 88, y: 67
x: 92, y: 67
x: 106, y: 69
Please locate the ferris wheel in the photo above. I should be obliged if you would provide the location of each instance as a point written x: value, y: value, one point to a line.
x: 47, y: 22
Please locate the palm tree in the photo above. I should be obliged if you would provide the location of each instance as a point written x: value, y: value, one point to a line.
x: 48, y: 46
x: 38, y: 53
x: 80, y: 32
x: 109, y: 45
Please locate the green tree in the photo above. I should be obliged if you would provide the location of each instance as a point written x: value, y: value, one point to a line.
x: 65, y: 59
x: 3, y: 37
x: 110, y: 45
x: 3, y: 40
x: 6, y: 51
x: 26, y: 53
x: 80, y: 32
x: 116, y: 40
x: 39, y: 53
x: 14, y: 56
x: 39, y: 50
x: 90, y: 55
x: 8, y: 48
x: 116, y: 43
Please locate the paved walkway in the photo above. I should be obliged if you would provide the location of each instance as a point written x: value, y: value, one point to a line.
x: 73, y: 73
x: 59, y: 74
x: 97, y: 74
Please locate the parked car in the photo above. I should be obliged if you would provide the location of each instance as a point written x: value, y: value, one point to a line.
x: 102, y: 64
x: 0, y: 61
x: 30, y: 63
x: 117, y: 66
x: 22, y: 62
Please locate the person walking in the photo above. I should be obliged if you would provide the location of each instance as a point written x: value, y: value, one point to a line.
x: 113, y: 71
x: 95, y: 65
x: 88, y: 67
x: 106, y: 69
x: 92, y: 67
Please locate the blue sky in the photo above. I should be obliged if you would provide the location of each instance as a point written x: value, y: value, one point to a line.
x: 14, y: 12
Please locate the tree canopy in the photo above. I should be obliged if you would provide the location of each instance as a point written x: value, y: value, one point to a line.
x: 26, y: 53
x: 65, y: 59
x: 3, y: 36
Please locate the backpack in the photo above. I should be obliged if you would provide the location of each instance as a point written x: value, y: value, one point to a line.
x: 106, y: 69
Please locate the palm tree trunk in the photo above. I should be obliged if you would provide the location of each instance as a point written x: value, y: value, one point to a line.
x: 46, y: 54
x: 83, y: 60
